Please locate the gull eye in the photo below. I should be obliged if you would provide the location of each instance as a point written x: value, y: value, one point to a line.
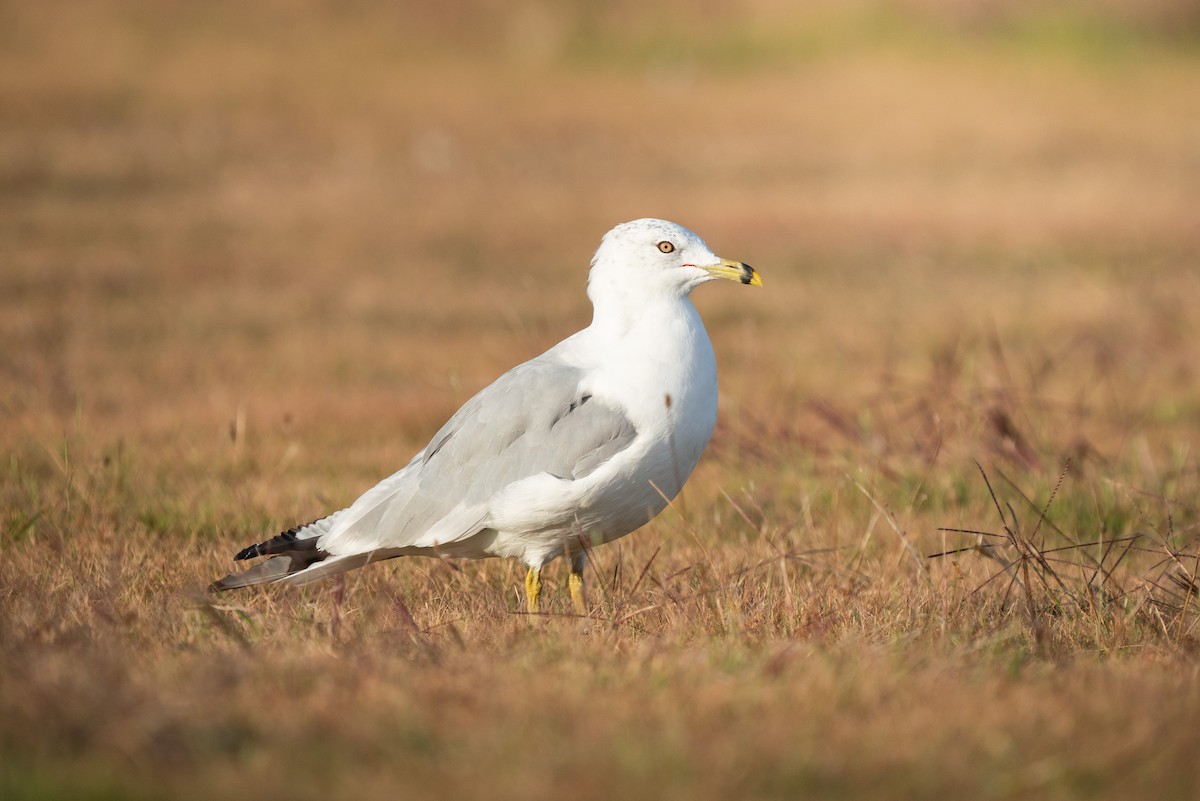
x: 666, y: 247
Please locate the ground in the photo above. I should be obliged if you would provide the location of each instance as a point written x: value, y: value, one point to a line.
x: 252, y: 257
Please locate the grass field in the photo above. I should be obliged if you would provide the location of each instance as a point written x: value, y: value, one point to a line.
x: 252, y: 256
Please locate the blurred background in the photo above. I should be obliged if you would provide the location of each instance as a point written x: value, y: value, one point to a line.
x: 294, y: 207
x: 252, y: 254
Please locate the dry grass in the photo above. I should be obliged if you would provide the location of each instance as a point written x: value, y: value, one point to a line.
x: 250, y: 259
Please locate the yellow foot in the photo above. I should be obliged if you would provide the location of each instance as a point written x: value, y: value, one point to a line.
x: 575, y: 582
x: 533, y: 589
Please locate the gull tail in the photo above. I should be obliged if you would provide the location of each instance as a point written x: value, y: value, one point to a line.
x: 291, y: 552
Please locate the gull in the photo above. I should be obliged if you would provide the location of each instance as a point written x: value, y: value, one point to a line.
x: 572, y: 449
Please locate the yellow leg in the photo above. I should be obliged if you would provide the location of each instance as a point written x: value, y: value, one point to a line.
x: 533, y: 588
x: 575, y: 582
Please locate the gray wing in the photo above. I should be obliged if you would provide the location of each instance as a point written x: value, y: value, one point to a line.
x: 536, y: 418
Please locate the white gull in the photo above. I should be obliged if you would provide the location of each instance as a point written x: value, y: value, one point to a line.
x: 572, y: 449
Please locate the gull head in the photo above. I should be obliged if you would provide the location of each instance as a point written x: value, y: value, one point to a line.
x: 648, y: 257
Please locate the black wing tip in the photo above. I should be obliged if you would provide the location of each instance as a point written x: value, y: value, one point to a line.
x: 287, y: 541
x: 247, y: 553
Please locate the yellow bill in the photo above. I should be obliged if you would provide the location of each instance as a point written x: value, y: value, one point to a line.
x: 734, y: 271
